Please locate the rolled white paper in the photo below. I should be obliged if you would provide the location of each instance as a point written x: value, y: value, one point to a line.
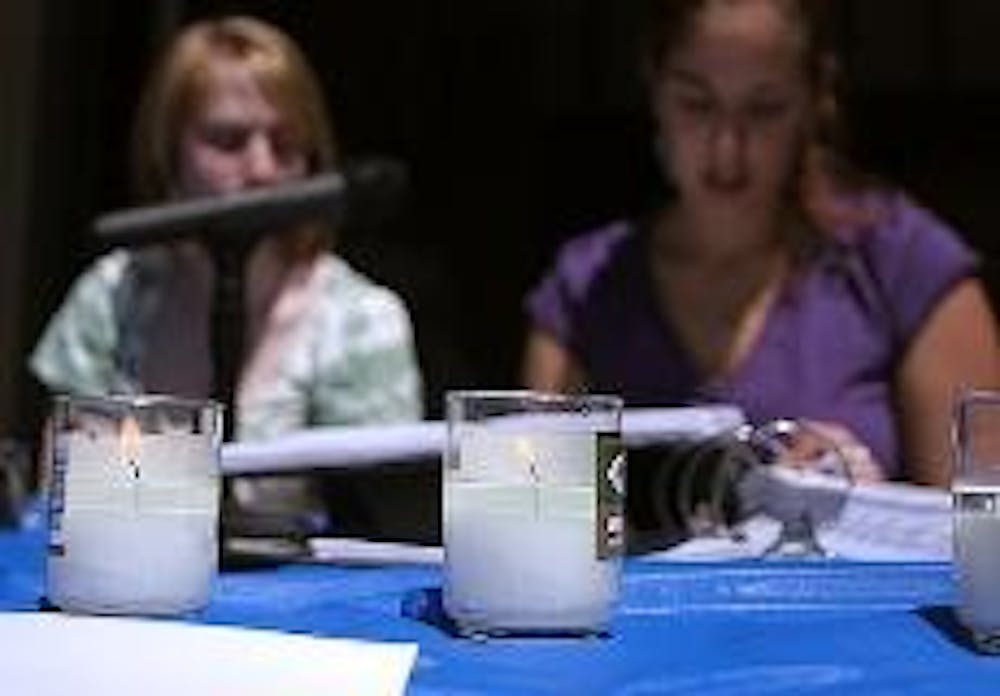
x: 375, y: 445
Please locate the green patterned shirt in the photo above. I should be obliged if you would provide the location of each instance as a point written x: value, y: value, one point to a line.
x: 350, y: 359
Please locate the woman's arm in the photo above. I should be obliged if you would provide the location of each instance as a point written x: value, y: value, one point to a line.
x: 548, y: 366
x: 956, y: 348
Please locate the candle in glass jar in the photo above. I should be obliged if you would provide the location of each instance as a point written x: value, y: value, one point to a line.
x: 977, y: 559
x: 976, y: 510
x: 133, y: 520
x: 528, y: 547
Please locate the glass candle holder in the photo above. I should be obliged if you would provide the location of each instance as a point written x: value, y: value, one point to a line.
x: 533, y: 512
x: 976, y: 510
x: 133, y: 504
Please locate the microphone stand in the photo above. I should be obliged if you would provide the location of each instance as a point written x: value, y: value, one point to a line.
x: 228, y: 322
x: 230, y: 226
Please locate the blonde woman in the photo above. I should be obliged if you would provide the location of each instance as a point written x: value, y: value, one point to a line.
x: 233, y: 105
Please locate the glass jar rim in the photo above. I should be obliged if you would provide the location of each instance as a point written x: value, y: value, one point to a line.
x: 597, y: 401
x: 137, y: 401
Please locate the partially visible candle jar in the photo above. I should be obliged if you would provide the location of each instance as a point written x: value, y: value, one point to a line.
x: 976, y: 516
x: 133, y: 504
x: 533, y: 512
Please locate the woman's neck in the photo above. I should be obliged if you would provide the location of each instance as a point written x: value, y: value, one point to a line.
x: 683, y: 238
x: 715, y: 290
x: 270, y: 273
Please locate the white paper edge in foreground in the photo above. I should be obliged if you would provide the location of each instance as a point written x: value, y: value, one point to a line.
x: 59, y: 654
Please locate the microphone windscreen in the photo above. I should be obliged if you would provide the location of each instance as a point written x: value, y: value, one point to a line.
x: 367, y: 185
x: 377, y: 188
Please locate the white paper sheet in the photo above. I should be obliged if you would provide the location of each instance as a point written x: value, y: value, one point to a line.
x: 58, y: 654
x: 878, y: 522
x: 372, y: 553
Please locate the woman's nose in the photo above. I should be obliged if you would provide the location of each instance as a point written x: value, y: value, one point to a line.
x: 261, y: 166
x: 727, y: 165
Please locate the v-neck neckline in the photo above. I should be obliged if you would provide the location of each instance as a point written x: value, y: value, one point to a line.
x: 673, y: 344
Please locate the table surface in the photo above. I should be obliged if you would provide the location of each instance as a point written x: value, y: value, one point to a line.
x: 748, y: 627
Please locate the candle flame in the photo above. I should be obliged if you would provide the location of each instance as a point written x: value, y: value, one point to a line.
x: 129, y: 437
x: 526, y: 454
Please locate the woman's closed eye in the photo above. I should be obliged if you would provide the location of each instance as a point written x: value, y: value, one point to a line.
x: 696, y: 106
x: 766, y: 110
x: 226, y: 137
x: 285, y: 145
x: 692, y: 100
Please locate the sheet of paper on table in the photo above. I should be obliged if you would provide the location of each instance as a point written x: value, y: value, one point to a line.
x: 58, y: 654
x: 881, y: 522
x: 878, y: 522
x: 361, y: 552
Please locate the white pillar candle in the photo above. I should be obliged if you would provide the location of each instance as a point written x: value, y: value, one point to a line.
x: 133, y: 523
x: 528, y: 547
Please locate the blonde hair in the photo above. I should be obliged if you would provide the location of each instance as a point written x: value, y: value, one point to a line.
x: 181, y: 80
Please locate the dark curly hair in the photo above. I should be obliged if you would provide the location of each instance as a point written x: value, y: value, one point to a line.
x: 824, y: 171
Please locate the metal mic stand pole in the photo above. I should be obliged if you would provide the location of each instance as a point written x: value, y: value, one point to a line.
x: 277, y: 537
x: 229, y: 227
x: 228, y: 321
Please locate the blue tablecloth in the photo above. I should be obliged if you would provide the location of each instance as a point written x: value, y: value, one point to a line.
x: 770, y: 627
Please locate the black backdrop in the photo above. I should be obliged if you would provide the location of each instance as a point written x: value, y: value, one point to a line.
x: 522, y: 122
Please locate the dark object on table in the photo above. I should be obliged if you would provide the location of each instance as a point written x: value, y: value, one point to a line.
x: 15, y: 481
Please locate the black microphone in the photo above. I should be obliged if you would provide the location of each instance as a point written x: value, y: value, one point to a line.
x: 247, y: 214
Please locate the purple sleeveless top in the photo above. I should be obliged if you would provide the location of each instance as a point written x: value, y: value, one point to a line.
x: 829, y: 347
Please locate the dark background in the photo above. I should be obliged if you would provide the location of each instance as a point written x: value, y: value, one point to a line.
x: 521, y: 120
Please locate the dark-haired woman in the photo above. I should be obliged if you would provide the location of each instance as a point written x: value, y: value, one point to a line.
x: 776, y: 278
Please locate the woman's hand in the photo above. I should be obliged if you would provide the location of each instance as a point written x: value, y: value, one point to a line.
x: 822, y: 445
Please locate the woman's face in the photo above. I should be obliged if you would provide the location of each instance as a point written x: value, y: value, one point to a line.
x: 237, y: 139
x: 733, y: 105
